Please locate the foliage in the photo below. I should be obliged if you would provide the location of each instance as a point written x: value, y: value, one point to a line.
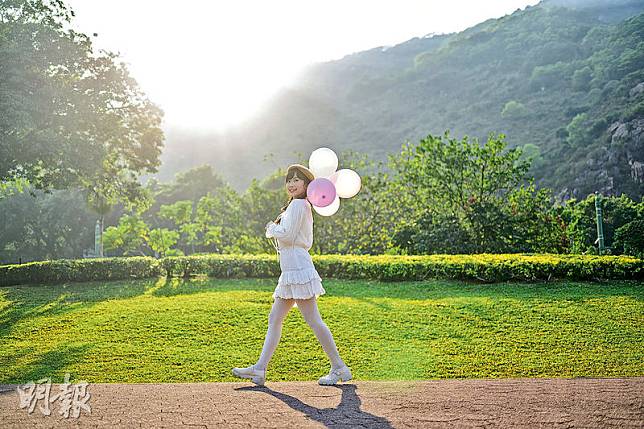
x: 481, y: 267
x: 470, y: 198
x: 74, y: 270
x: 364, y: 223
x: 128, y: 237
x: 70, y: 116
x: 579, y: 217
x: 514, y: 110
x: 630, y: 238
x: 577, y: 130
x: 44, y: 226
x: 161, y: 241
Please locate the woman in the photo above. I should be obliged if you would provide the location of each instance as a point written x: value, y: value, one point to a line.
x: 299, y: 283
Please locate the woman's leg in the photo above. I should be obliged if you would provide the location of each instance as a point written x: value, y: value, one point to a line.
x: 277, y: 315
x: 311, y: 313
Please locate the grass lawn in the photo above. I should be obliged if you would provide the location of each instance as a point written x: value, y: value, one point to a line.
x: 174, y: 330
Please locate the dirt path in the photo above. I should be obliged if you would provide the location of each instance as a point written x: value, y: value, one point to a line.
x: 542, y: 402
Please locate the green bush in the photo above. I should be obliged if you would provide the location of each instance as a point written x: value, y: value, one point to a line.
x: 514, y: 110
x: 630, y: 238
x: 481, y: 267
x: 579, y: 216
x: 221, y: 265
x: 67, y: 270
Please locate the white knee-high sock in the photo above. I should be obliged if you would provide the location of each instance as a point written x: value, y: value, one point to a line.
x: 276, y: 318
x: 311, y: 314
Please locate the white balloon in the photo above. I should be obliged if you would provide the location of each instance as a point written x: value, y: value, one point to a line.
x: 323, y: 162
x: 330, y: 209
x: 347, y: 182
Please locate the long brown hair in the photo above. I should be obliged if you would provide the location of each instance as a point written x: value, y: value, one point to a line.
x: 290, y: 175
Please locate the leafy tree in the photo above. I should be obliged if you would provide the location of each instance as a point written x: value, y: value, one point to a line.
x: 180, y: 213
x: 259, y: 203
x: 536, y: 227
x: 581, y: 79
x: 44, y: 226
x: 578, y: 130
x: 514, y: 110
x: 630, y: 238
x: 548, y: 76
x: 221, y: 220
x: 467, y: 197
x: 129, y: 237
x: 452, y: 173
x: 532, y: 154
x: 70, y: 116
x: 579, y: 218
x: 161, y: 241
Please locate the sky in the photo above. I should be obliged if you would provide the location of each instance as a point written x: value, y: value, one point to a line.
x: 210, y: 65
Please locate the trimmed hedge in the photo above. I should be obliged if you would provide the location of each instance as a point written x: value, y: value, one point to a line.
x: 79, y: 270
x: 482, y: 267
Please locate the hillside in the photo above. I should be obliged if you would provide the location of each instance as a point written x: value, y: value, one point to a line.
x: 564, y: 78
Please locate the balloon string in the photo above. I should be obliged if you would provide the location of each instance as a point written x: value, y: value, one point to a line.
x: 275, y: 244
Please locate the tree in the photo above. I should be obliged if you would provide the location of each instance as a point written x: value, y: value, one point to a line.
x: 532, y: 153
x: 161, y: 241
x: 514, y: 110
x: 128, y: 237
x: 578, y: 130
x: 260, y: 203
x: 630, y: 238
x: 70, y: 116
x: 44, y: 226
x: 581, y: 79
x: 457, y: 193
x: 452, y: 173
x: 222, y: 222
x: 180, y: 213
x: 579, y: 218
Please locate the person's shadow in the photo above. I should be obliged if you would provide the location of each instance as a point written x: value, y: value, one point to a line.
x: 346, y: 414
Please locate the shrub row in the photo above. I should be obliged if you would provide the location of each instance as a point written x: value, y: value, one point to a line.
x: 482, y: 267
x: 498, y: 267
x: 68, y: 270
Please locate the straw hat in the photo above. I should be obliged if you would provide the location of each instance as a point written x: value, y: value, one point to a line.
x: 300, y: 168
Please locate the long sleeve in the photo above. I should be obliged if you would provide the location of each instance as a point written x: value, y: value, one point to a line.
x: 290, y: 224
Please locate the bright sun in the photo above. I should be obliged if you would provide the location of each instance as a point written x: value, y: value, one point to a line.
x: 211, y: 65
x: 202, y: 90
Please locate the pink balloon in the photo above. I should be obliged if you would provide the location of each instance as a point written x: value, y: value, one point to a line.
x: 321, y: 192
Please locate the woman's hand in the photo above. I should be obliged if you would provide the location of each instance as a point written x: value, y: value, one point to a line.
x: 279, y: 219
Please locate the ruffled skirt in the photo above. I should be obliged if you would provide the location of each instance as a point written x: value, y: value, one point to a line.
x: 310, y: 289
x: 299, y: 278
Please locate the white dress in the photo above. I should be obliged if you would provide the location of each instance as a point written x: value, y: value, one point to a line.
x: 299, y: 278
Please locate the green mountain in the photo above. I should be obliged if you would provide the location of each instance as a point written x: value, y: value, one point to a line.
x: 564, y: 79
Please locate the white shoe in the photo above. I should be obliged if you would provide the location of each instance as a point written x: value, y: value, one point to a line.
x: 334, y: 375
x: 257, y: 376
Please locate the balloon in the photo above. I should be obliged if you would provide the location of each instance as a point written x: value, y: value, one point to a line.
x: 323, y: 162
x: 321, y: 192
x: 330, y: 209
x: 347, y: 182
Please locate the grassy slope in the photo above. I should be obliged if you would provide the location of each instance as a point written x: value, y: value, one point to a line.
x: 197, y: 330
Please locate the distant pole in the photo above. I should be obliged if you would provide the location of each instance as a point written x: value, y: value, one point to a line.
x: 600, y: 227
x: 101, y: 255
x: 97, y: 239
